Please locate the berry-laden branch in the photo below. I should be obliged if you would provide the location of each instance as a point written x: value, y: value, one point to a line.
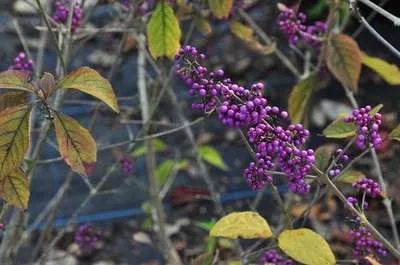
x: 277, y: 143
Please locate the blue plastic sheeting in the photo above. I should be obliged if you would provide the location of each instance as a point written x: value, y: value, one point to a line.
x: 110, y: 215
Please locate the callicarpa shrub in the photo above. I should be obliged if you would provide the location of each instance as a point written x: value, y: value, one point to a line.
x: 319, y: 194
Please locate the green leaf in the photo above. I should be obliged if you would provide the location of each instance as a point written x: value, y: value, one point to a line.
x: 14, y: 188
x: 91, y: 82
x: 299, y: 98
x: 389, y: 72
x: 344, y: 60
x: 212, y: 156
x: 12, y: 99
x: 376, y: 109
x: 163, y: 32
x: 246, y: 225
x: 306, y: 247
x: 13, y: 79
x: 323, y: 156
x: 220, y: 8
x: 158, y: 145
x: 75, y: 144
x: 340, y: 129
x: 205, y: 225
x: 395, y: 134
x: 165, y: 169
x: 14, y: 137
x: 350, y: 176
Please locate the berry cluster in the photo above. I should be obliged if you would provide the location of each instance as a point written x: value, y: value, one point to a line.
x: 369, y: 186
x: 126, y: 165
x: 61, y: 14
x: 273, y: 257
x: 340, y: 159
x: 275, y: 142
x: 22, y: 63
x: 294, y: 26
x: 87, y: 237
x: 365, y: 244
x: 367, y: 124
x: 354, y: 202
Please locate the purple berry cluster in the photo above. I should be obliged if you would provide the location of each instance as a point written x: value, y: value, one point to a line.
x: 87, y: 237
x: 294, y: 26
x: 126, y: 165
x: 275, y: 142
x: 369, y: 186
x: 22, y: 63
x: 365, y: 244
x: 273, y: 257
x: 62, y: 13
x: 354, y: 202
x: 367, y: 124
x: 340, y: 159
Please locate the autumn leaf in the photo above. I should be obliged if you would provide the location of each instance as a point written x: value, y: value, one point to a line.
x: 12, y: 99
x: 203, y: 26
x: 323, y: 156
x: 246, y: 225
x: 14, y: 188
x: 91, y: 82
x: 220, y: 8
x: 75, y: 144
x: 163, y: 32
x: 395, y: 134
x: 306, y: 247
x: 299, y: 98
x: 344, y: 60
x: 14, y: 79
x: 14, y: 137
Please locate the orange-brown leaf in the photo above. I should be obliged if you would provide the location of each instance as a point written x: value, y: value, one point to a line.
x: 344, y: 60
x: 75, y: 144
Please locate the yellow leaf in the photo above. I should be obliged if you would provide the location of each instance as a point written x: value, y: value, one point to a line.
x: 389, y: 72
x: 14, y: 137
x: 242, y: 224
x: 299, y: 98
x: 14, y: 79
x: 241, y: 31
x: 12, y: 99
x: 75, y: 144
x: 306, y: 247
x: 344, y: 60
x: 91, y: 82
x: 246, y: 34
x: 395, y: 134
x: 203, y: 26
x: 14, y: 188
x: 372, y: 260
x: 220, y: 8
x: 163, y: 32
